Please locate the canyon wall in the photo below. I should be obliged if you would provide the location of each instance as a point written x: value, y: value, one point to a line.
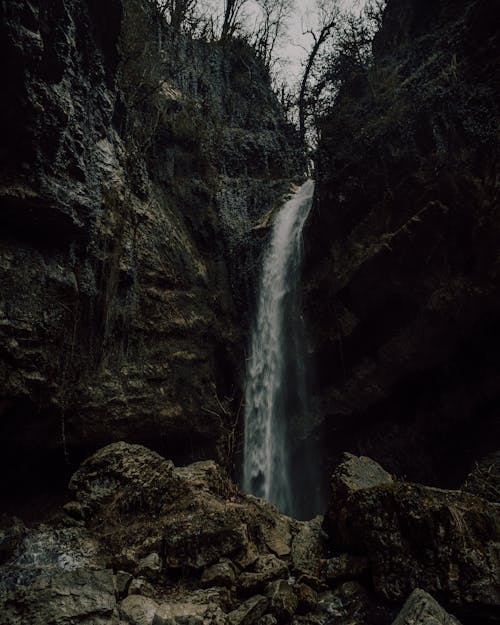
x: 135, y: 163
x: 402, y: 278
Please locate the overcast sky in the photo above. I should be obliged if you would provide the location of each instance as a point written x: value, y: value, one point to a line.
x: 303, y: 19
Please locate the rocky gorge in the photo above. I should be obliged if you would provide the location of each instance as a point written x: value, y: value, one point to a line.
x: 141, y: 169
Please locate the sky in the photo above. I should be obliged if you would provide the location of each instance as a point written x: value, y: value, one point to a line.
x: 292, y: 52
x: 303, y: 18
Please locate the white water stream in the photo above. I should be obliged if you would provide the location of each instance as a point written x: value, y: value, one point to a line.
x: 275, y: 376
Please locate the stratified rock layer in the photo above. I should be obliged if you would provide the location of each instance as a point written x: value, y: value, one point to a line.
x: 134, y: 166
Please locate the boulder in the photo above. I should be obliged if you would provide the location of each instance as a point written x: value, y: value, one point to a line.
x: 122, y: 478
x: 81, y: 597
x: 249, y: 612
x: 220, y: 574
x: 149, y: 567
x: 122, y: 583
x: 12, y: 532
x: 139, y: 505
x: 345, y: 566
x: 349, y: 603
x: 446, y: 542
x: 309, y: 548
x: 307, y: 598
x: 140, y: 586
x: 357, y: 473
x: 138, y: 610
x: 422, y: 609
x: 198, y: 540
x: 265, y: 569
x: 283, y: 601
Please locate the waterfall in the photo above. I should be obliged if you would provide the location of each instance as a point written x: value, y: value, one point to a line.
x: 275, y: 384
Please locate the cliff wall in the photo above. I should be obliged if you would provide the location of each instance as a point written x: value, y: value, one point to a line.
x: 402, y: 248
x: 135, y: 163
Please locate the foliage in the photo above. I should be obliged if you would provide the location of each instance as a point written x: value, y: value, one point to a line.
x: 341, y: 51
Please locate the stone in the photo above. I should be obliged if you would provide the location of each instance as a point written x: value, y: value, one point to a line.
x: 249, y: 612
x: 12, y: 532
x: 309, y: 548
x: 149, y: 567
x: 266, y: 568
x: 446, y: 542
x: 307, y: 598
x: 348, y: 603
x: 345, y: 566
x: 122, y: 582
x: 278, y: 537
x: 140, y: 586
x: 220, y: 574
x: 422, y: 609
x: 83, y: 596
x: 124, y: 478
x: 201, y: 542
x: 267, y: 619
x: 357, y: 473
x: 138, y: 610
x: 283, y: 601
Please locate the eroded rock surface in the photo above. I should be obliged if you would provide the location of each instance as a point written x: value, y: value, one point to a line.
x: 402, y: 288
x: 422, y: 609
x: 414, y: 536
x: 134, y: 166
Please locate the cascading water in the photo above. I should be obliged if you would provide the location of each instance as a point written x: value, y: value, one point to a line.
x: 275, y: 384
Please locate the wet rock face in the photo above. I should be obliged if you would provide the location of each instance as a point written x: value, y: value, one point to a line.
x: 119, y: 312
x: 402, y: 285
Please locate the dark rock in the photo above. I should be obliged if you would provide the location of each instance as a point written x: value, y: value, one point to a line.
x: 149, y: 567
x: 357, y: 473
x: 349, y: 603
x: 307, y: 598
x: 126, y: 273
x: 220, y: 574
x: 309, y: 548
x: 12, y: 532
x: 446, y: 542
x: 249, y: 611
x: 141, y: 586
x: 422, y: 609
x: 124, y: 478
x: 484, y: 480
x: 122, y: 583
x: 84, y: 596
x: 267, y: 619
x: 283, y: 601
x: 401, y: 276
x: 265, y: 569
x: 138, y: 610
x: 345, y: 566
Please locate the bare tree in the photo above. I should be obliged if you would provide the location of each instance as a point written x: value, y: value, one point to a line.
x: 328, y: 12
x: 232, y: 15
x: 271, y: 27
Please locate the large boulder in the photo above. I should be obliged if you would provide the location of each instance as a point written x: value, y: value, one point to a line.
x: 80, y: 597
x: 122, y: 477
x: 191, y: 517
x: 422, y: 609
x: 446, y: 542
